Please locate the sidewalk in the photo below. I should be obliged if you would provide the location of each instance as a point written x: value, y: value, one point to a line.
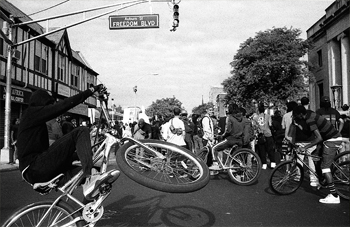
x: 4, y: 166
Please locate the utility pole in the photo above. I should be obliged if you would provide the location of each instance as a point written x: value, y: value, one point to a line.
x: 7, y: 31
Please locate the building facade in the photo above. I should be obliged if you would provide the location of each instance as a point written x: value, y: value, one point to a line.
x: 330, y: 56
x: 46, y: 63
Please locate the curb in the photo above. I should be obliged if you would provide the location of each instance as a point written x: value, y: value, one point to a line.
x: 8, y: 167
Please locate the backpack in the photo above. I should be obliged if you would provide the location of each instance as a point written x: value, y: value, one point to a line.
x: 176, y: 131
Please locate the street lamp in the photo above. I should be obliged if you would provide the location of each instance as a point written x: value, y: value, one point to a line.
x: 135, y: 91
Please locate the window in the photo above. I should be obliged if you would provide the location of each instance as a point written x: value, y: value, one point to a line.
x: 37, y: 63
x: 61, y: 69
x: 75, y: 75
x: 40, y: 59
x: 1, y: 46
x: 319, y: 58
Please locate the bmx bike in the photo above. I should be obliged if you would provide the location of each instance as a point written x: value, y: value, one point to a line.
x: 164, y: 166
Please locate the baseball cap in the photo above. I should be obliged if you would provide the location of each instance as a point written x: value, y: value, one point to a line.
x: 325, y: 99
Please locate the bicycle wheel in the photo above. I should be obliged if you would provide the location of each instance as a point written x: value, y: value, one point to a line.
x: 60, y: 214
x: 342, y: 157
x: 286, y: 178
x: 245, y: 167
x: 340, y: 172
x: 203, y: 154
x: 179, y: 171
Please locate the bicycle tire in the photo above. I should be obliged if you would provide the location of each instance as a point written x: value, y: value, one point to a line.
x: 246, y: 167
x: 342, y: 157
x: 203, y: 154
x: 341, y: 174
x: 286, y: 178
x: 180, y: 172
x: 31, y: 214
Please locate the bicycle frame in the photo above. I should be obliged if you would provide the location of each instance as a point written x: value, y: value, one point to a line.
x: 296, y: 157
x: 220, y: 157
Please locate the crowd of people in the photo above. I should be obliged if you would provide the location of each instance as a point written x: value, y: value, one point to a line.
x: 265, y: 131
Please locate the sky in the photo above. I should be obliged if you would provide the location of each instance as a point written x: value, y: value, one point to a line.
x: 184, y: 64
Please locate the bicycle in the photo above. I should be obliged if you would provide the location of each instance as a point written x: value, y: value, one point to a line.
x: 288, y: 175
x: 169, y: 168
x: 241, y: 164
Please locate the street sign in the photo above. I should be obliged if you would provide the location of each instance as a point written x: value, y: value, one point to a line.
x: 134, y: 21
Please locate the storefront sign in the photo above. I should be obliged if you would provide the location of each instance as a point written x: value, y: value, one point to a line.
x: 63, y: 90
x: 17, y: 95
x: 134, y: 21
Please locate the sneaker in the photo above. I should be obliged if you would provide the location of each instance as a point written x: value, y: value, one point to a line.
x: 215, y: 166
x: 330, y: 199
x: 95, y: 181
x: 264, y: 166
x: 273, y: 165
x: 314, y: 184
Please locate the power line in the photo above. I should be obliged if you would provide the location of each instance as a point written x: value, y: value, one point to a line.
x: 48, y: 8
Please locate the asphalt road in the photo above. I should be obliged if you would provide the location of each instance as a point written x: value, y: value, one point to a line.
x: 220, y: 203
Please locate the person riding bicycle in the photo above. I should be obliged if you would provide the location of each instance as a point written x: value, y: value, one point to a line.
x: 40, y: 162
x: 233, y: 134
x: 324, y: 132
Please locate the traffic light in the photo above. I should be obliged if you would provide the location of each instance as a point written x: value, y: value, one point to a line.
x: 176, y: 16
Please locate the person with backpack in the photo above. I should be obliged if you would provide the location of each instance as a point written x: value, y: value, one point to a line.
x: 175, y: 129
x: 208, y: 126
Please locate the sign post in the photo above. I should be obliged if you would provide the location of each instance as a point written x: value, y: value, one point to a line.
x: 134, y: 21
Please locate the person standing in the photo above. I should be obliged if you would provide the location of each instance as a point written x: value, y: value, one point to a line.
x: 330, y: 113
x: 197, y: 140
x: 287, y: 119
x: 189, y: 128
x: 13, y: 146
x: 208, y: 131
x: 176, y: 129
x: 208, y: 126
x: 264, y: 122
x: 142, y: 130
x: 278, y: 134
x: 54, y: 129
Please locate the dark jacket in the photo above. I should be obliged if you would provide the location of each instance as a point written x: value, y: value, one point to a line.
x: 33, y: 136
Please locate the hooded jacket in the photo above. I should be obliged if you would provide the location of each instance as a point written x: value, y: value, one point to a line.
x: 33, y: 136
x: 234, y: 127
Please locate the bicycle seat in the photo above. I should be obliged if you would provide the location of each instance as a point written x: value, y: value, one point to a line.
x: 45, y: 187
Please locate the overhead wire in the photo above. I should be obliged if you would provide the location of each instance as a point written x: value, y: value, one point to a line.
x: 51, y: 7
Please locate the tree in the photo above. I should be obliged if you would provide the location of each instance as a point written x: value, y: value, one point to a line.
x: 268, y: 67
x: 201, y: 108
x: 163, y: 107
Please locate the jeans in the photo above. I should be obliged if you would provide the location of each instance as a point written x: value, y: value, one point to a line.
x: 267, y: 148
x: 310, y: 160
x: 198, y: 143
x: 60, y: 155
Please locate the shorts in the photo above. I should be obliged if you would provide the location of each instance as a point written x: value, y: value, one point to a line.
x: 330, y: 149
